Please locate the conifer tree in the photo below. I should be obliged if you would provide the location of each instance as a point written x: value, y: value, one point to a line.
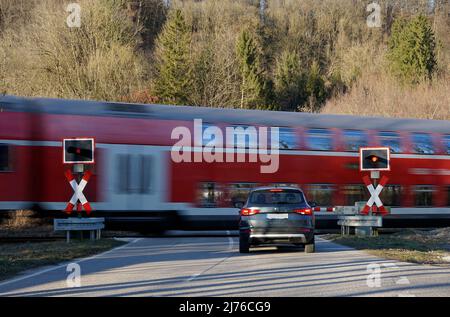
x: 174, y: 80
x: 252, y: 79
x: 315, y: 87
x: 412, y: 47
x: 289, y: 81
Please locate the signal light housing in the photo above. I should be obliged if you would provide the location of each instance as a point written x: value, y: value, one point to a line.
x: 375, y: 159
x: 78, y: 151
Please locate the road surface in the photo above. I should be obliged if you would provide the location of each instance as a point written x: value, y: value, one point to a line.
x: 212, y: 266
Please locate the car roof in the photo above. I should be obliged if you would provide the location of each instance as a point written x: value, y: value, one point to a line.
x: 275, y: 187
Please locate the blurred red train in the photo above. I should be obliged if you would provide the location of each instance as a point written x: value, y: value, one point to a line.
x: 136, y: 182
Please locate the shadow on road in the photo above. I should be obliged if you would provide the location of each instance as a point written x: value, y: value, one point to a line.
x: 309, y: 270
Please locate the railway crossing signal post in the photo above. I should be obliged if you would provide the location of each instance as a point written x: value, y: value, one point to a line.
x: 374, y: 160
x: 79, y: 153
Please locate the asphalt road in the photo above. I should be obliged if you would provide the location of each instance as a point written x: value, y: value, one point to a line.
x: 212, y: 266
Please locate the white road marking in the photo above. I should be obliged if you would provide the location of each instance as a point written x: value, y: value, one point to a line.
x: 402, y: 281
x: 230, y: 241
x: 230, y: 248
x: 193, y: 277
x: 65, y: 264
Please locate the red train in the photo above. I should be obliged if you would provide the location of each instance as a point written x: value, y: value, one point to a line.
x: 135, y: 181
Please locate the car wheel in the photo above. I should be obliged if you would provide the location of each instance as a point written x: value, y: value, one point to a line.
x: 310, y: 248
x: 244, y: 244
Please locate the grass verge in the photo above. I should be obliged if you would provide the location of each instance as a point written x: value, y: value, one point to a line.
x: 403, y: 247
x: 17, y: 257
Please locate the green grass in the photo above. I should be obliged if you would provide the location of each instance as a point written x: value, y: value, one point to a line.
x: 398, y: 247
x: 17, y: 257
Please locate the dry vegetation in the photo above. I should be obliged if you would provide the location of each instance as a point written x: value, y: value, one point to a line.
x: 381, y: 95
x: 20, y: 219
x: 25, y: 223
x: 97, y: 61
x: 412, y: 245
x: 113, y: 56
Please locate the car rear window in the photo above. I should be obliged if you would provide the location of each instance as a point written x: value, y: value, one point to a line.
x: 276, y: 197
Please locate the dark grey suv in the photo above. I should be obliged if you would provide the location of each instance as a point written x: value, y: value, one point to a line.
x: 276, y: 215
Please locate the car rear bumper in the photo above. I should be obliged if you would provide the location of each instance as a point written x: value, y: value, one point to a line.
x: 300, y: 238
x: 278, y: 235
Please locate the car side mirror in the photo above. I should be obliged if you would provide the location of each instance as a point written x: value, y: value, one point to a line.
x: 239, y: 205
x: 312, y: 204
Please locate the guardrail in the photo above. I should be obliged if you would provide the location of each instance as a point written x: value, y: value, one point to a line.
x: 93, y: 225
x: 364, y: 225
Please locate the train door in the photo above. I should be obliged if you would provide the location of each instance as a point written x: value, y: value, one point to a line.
x: 134, y: 172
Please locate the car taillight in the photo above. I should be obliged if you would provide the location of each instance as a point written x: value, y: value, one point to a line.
x: 249, y: 212
x: 304, y: 211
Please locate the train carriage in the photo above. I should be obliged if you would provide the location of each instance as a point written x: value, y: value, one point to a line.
x: 136, y: 181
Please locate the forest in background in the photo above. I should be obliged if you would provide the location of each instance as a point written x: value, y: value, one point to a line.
x: 290, y: 55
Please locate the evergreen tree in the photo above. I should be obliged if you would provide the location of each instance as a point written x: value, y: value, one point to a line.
x: 174, y: 81
x: 315, y: 87
x: 412, y: 46
x: 253, y: 83
x: 289, y: 81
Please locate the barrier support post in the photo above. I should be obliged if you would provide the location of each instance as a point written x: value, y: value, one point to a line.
x: 375, y: 175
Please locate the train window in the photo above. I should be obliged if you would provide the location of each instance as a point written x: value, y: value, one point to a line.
x: 355, y: 193
x: 422, y: 143
x: 208, y: 140
x: 319, y: 140
x: 354, y: 139
x: 238, y: 192
x: 322, y: 195
x: 288, y: 139
x: 209, y: 195
x: 423, y: 195
x: 282, y: 185
x: 245, y: 137
x: 391, y: 140
x: 5, y: 158
x: 391, y: 195
x: 447, y: 144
